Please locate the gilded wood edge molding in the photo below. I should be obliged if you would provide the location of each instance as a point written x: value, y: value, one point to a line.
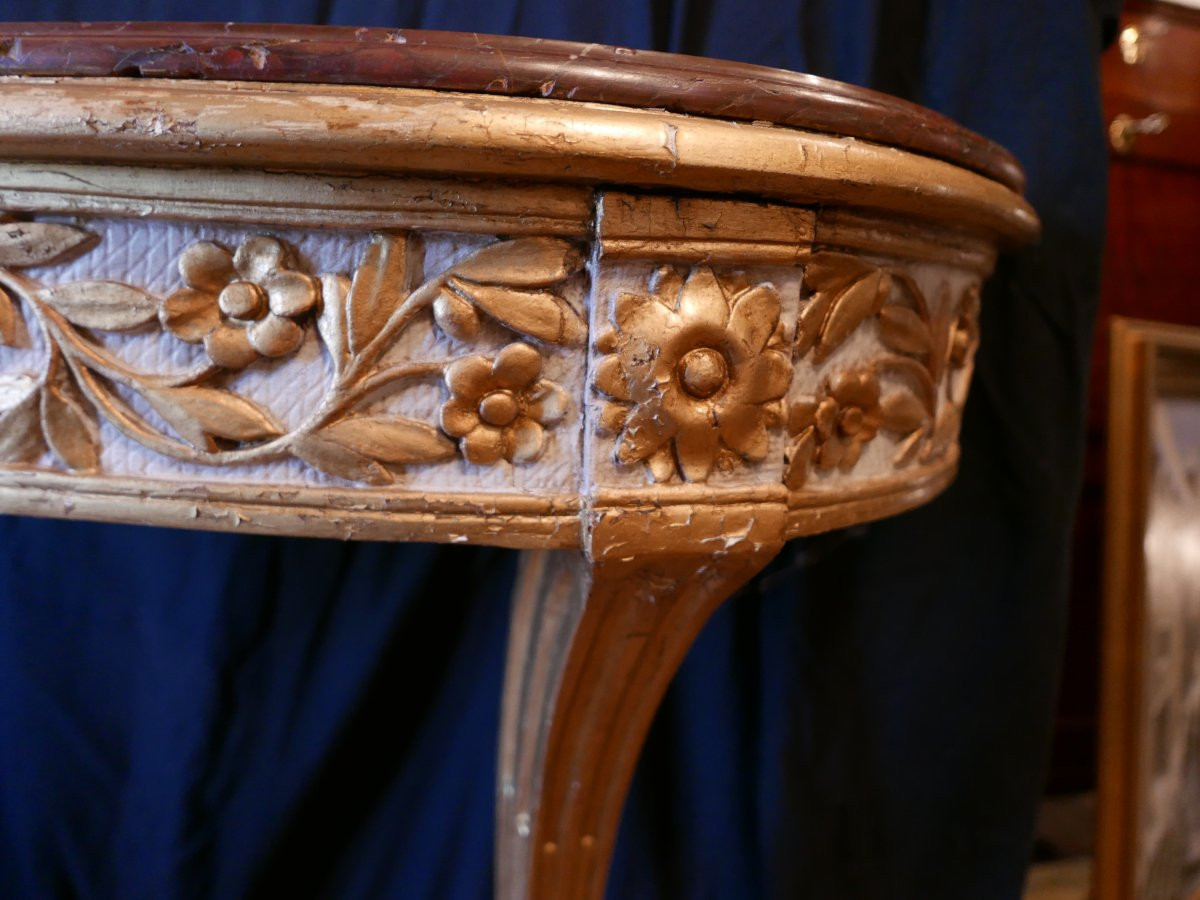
x: 902, y: 239
x: 611, y: 526
x: 691, y: 229
x: 806, y: 516
x: 403, y: 130
x: 515, y: 521
x: 314, y: 200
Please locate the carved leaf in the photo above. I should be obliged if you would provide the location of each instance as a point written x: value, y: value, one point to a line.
x: 538, y: 314
x: 812, y: 317
x: 69, y: 422
x: 108, y: 305
x: 944, y: 433
x: 20, y: 436
x: 829, y: 272
x: 799, y: 459
x: 390, y: 439
x: 915, y: 375
x: 12, y: 326
x: 331, y: 323
x: 861, y: 299
x: 907, y: 451
x: 455, y: 316
x: 524, y: 262
x: 200, y: 413
x: 902, y: 330
x: 903, y: 412
x: 380, y: 285
x: 38, y: 243
x: 339, y: 460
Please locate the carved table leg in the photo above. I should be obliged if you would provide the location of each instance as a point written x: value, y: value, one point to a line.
x: 592, y: 647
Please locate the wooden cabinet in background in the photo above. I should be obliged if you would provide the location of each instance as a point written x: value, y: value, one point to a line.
x: 1151, y: 91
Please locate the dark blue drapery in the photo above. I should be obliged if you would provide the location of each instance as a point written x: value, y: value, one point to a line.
x: 218, y: 716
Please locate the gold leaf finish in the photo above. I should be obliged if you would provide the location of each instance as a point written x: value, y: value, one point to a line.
x: 108, y: 305
x: 242, y: 306
x: 20, y: 434
x: 497, y: 408
x: 69, y: 423
x: 254, y: 304
x: 521, y: 263
x: 379, y: 286
x: 24, y: 244
x: 389, y: 439
x: 12, y: 326
x: 200, y: 414
x: 337, y: 459
x: 691, y: 374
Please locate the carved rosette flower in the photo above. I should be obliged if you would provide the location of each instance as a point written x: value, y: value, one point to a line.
x: 694, y: 375
x: 830, y: 431
x: 242, y: 306
x: 497, y: 409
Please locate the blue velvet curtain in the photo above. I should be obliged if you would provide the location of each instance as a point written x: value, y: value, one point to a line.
x: 221, y: 716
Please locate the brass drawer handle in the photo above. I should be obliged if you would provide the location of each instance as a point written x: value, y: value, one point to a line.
x: 1124, y: 129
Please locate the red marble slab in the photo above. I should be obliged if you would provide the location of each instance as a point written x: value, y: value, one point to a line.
x: 496, y: 65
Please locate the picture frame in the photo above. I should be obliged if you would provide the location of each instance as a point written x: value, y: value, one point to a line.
x: 1148, y: 813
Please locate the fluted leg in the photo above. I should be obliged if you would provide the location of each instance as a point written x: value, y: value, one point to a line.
x: 592, y: 647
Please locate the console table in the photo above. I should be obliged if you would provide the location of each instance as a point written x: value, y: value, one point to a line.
x: 644, y: 317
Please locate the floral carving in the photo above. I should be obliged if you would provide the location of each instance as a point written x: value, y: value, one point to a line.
x: 497, y: 408
x: 256, y: 304
x: 242, y: 305
x: 831, y: 431
x: 923, y: 346
x: 695, y: 374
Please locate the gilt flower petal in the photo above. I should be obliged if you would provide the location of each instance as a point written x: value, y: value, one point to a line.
x: 850, y: 457
x: 275, y: 336
x: 830, y: 453
x: 825, y: 418
x: 190, y: 315
x: 547, y: 402
x: 802, y: 414
x: 753, y: 318
x: 612, y: 379
x: 702, y: 301
x: 483, y: 446
x: 763, y: 378
x: 524, y: 441
x: 206, y: 266
x: 469, y: 378
x: 661, y: 465
x: 612, y: 417
x: 647, y: 429
x: 258, y: 258
x: 643, y: 316
x: 856, y: 388
x: 516, y: 366
x: 229, y: 347
x: 458, y: 419
x: 743, y: 429
x: 696, y: 448
x: 291, y: 294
